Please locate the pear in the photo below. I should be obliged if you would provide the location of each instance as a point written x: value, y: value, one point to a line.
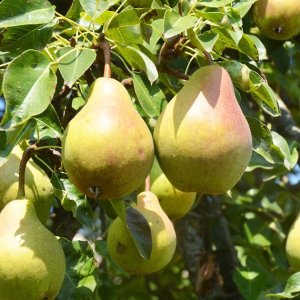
x: 32, y: 262
x: 293, y: 245
x: 203, y: 141
x: 277, y: 19
x: 107, y: 148
x: 121, y: 246
x: 174, y: 203
x: 38, y: 187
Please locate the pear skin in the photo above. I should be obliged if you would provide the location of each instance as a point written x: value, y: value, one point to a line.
x: 203, y: 141
x: 107, y: 149
x: 277, y: 19
x: 293, y: 245
x: 121, y: 246
x: 38, y: 187
x: 174, y: 203
x: 32, y: 262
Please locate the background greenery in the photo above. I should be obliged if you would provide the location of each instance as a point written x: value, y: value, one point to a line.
x: 229, y: 247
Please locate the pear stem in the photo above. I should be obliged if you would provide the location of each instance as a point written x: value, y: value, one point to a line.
x: 104, y: 45
x: 208, y: 57
x: 147, y: 184
x: 27, y: 154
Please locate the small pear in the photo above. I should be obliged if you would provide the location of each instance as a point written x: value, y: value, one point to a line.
x: 107, y: 149
x: 174, y: 203
x: 121, y: 246
x: 203, y: 141
x: 38, y: 187
x: 277, y: 19
x: 293, y: 245
x: 32, y: 262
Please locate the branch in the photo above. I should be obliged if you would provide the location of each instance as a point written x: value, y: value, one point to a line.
x: 286, y: 123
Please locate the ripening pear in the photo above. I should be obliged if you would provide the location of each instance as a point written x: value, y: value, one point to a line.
x: 38, y: 187
x: 203, y: 141
x: 293, y: 245
x: 277, y: 19
x: 121, y: 246
x: 32, y: 262
x: 174, y: 203
x: 107, y: 148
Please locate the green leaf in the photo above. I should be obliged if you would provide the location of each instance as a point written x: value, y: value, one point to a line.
x: 252, y: 279
x: 73, y: 62
x: 292, y: 288
x: 215, y: 3
x: 95, y: 8
x: 205, y: 41
x: 140, y: 231
x: 48, y: 124
x: 244, y: 6
x: 263, y: 142
x: 28, y: 86
x: 150, y: 97
x: 125, y: 28
x: 81, y: 276
x: 10, y: 138
x: 72, y: 200
x: 20, y: 38
x: 23, y: 12
x: 175, y: 23
x: 138, y: 60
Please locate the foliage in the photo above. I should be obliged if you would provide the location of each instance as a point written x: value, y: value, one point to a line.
x: 49, y: 56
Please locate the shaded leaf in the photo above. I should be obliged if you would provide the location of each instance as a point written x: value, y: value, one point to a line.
x: 81, y: 277
x: 20, y: 38
x: 140, y: 231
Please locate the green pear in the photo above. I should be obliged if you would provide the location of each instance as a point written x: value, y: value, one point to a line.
x: 174, y: 203
x: 277, y: 19
x: 121, y: 246
x: 32, y: 262
x: 38, y: 187
x: 107, y: 148
x: 203, y: 141
x: 293, y: 245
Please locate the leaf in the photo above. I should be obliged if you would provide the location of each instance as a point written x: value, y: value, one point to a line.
x: 10, y: 138
x: 252, y: 279
x: 73, y: 62
x: 81, y: 276
x: 175, y: 23
x: 48, y: 124
x: 263, y: 143
x: 139, y: 60
x: 28, y: 87
x: 95, y: 8
x: 72, y: 200
x: 20, y: 38
x: 244, y: 6
x: 140, y: 231
x: 150, y: 97
x: 204, y: 41
x: 23, y: 12
x: 291, y: 289
x: 215, y: 3
x: 125, y: 28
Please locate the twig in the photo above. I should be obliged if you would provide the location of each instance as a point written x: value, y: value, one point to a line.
x: 208, y: 57
x: 173, y: 72
x: 104, y: 45
x: 27, y: 154
x: 147, y: 184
